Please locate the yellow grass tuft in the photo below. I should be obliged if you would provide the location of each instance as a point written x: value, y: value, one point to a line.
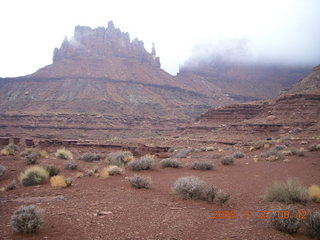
x: 104, y: 173
x: 266, y: 145
x: 34, y: 175
x: 5, y: 152
x: 43, y: 154
x: 58, y: 181
x: 314, y: 193
x: 63, y: 153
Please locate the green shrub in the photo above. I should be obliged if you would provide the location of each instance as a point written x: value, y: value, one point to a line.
x: 228, y: 160
x: 27, y: 219
x: 120, y: 158
x: 238, y: 155
x: 290, y: 224
x: 202, y: 166
x: 33, y: 158
x: 138, y: 181
x: 90, y: 157
x: 3, y: 171
x: 313, y: 225
x: 33, y: 176
x: 170, y: 163
x: 144, y: 163
x: 52, y: 170
x: 63, y: 153
x: 71, y: 165
x: 287, y: 192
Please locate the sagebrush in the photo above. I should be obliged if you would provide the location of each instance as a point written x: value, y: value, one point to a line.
x: 119, y: 158
x: 3, y: 171
x: 202, y: 166
x: 228, y: 160
x: 27, y: 219
x: 170, y: 163
x: 71, y: 165
x: 144, y: 163
x: 289, y: 224
x: 138, y: 181
x: 90, y: 157
x: 313, y: 225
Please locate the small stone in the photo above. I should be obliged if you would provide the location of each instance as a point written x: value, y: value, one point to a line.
x: 104, y: 213
x: 286, y: 160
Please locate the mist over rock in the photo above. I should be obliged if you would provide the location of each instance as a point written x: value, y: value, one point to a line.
x: 241, y: 77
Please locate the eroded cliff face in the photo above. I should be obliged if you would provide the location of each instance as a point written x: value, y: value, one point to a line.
x: 296, y: 110
x: 102, y: 73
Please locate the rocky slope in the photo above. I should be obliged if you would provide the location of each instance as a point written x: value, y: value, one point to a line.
x: 115, y: 81
x: 297, y: 110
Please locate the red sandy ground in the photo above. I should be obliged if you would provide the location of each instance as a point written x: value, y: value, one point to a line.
x: 157, y: 213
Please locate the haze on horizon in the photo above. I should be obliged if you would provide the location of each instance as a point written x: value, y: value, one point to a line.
x: 285, y: 32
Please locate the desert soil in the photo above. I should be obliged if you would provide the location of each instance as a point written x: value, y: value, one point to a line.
x: 95, y: 208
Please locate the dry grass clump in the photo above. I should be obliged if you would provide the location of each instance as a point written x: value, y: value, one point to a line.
x: 138, y: 181
x: 27, y: 219
x: 3, y: 171
x: 120, y: 158
x: 71, y: 165
x: 114, y: 170
x: 202, y: 166
x: 314, y: 193
x: 313, y: 225
x: 32, y: 158
x: 228, y: 160
x: 52, y: 170
x: 289, y: 192
x: 290, y: 224
x: 10, y: 149
x: 33, y: 176
x: 90, y: 157
x: 170, y: 163
x: 238, y: 155
x: 272, y: 155
x: 183, y: 153
x: 193, y: 188
x: 63, y: 153
x: 58, y: 181
x: 314, y: 148
x: 144, y: 163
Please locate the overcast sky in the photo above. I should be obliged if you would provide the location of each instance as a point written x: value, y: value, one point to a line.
x: 274, y: 30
